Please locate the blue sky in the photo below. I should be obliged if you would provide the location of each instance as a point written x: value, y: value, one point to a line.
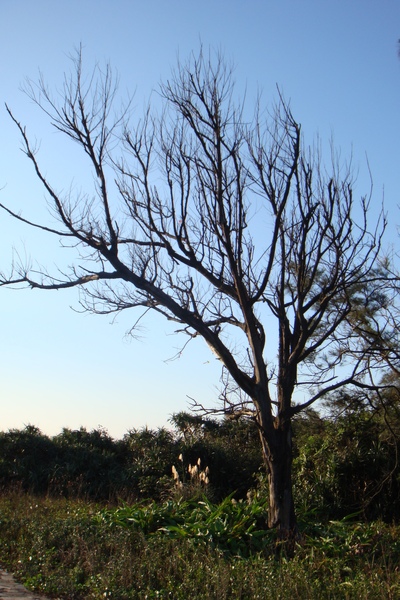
x: 336, y: 61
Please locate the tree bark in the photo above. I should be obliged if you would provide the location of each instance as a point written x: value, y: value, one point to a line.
x: 278, y: 460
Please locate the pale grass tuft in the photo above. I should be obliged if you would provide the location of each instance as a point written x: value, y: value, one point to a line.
x: 198, y: 479
x: 193, y: 471
x: 175, y: 475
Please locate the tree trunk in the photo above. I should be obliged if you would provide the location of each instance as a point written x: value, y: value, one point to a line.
x: 281, y: 513
x: 278, y: 459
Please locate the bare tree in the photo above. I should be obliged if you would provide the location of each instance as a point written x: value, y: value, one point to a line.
x: 233, y: 229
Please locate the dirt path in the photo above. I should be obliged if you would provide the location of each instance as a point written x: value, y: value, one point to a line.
x: 11, y: 590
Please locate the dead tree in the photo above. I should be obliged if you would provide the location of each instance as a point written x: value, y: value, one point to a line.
x: 226, y: 225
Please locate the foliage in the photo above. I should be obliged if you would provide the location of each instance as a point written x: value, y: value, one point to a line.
x: 150, y: 454
x: 87, y: 464
x: 75, y: 550
x: 343, y: 463
x: 349, y: 464
x: 237, y: 528
x: 25, y: 459
x: 181, y: 544
x: 92, y: 465
x: 230, y: 448
x: 74, y: 463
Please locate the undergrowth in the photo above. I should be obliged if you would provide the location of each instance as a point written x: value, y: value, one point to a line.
x: 190, y: 549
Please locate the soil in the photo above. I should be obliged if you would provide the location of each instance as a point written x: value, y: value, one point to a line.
x: 11, y: 590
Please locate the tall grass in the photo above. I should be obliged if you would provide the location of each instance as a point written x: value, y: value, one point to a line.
x: 180, y: 550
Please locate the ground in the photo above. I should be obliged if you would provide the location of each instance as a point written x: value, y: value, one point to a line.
x: 11, y: 590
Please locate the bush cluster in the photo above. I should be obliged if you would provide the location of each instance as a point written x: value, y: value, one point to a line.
x: 347, y: 465
x: 94, y: 466
x: 342, y: 465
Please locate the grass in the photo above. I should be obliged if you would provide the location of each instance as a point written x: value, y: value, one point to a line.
x: 190, y: 549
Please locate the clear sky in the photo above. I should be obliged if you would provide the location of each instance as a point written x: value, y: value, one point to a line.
x: 336, y: 61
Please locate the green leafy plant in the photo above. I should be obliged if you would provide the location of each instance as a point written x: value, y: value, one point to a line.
x: 233, y: 527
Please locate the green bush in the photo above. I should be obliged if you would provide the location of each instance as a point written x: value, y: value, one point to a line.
x: 27, y: 458
x: 229, y: 448
x: 348, y: 466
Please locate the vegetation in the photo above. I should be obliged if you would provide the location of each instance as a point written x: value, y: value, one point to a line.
x: 91, y: 465
x: 75, y: 550
x: 156, y: 515
x: 342, y: 464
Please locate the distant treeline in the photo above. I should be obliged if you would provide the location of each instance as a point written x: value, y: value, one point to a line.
x: 343, y: 465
